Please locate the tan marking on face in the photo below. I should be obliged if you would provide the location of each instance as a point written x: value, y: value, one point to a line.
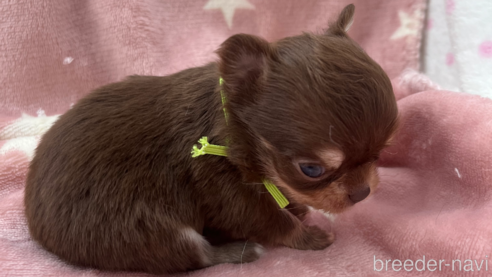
x: 332, y: 158
x: 373, y: 178
x: 332, y: 199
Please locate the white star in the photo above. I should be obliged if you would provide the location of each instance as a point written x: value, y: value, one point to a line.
x: 409, y: 24
x: 228, y: 8
x: 28, y: 125
x: 67, y: 60
x: 23, y: 134
x: 23, y: 144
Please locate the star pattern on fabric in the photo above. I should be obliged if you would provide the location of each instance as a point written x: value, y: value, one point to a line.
x: 228, y: 8
x: 27, y: 145
x: 23, y: 134
x: 409, y: 25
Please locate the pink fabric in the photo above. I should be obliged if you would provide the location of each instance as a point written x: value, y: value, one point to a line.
x: 54, y: 52
x: 434, y: 197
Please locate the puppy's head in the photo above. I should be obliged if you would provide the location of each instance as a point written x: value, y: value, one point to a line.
x: 310, y: 112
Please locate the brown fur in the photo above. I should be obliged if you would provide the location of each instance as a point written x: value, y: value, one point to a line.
x: 113, y: 184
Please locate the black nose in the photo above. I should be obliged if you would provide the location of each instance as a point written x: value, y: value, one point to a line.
x: 360, y: 195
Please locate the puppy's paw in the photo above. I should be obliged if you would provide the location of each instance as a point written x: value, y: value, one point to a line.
x: 315, y: 238
x: 238, y: 252
x: 252, y: 252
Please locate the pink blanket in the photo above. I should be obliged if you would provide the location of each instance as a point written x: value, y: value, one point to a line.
x: 430, y: 212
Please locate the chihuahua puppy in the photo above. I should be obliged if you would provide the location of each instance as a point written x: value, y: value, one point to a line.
x: 113, y: 184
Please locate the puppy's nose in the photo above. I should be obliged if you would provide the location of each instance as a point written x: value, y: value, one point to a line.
x: 360, y: 194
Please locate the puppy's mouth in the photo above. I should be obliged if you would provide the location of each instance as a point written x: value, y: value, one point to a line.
x: 332, y: 199
x: 333, y: 207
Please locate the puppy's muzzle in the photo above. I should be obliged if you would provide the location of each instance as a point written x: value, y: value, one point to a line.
x: 360, y: 194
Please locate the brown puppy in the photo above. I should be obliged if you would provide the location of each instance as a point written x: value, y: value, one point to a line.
x: 113, y: 184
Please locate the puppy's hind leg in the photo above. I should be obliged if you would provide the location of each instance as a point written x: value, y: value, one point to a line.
x: 235, y: 252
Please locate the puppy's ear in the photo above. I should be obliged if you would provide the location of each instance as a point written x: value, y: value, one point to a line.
x: 243, y: 63
x: 344, y: 21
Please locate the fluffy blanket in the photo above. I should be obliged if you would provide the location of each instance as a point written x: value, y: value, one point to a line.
x: 458, y: 45
x: 54, y: 52
x: 430, y: 213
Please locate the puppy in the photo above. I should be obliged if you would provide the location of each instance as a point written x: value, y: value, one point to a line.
x: 113, y: 184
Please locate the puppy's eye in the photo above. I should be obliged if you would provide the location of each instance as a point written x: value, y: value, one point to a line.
x: 312, y: 170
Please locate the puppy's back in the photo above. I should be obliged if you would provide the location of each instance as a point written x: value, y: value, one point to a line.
x: 105, y: 168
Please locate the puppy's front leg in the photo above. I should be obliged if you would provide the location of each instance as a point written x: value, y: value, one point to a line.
x: 299, y: 210
x: 278, y: 226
